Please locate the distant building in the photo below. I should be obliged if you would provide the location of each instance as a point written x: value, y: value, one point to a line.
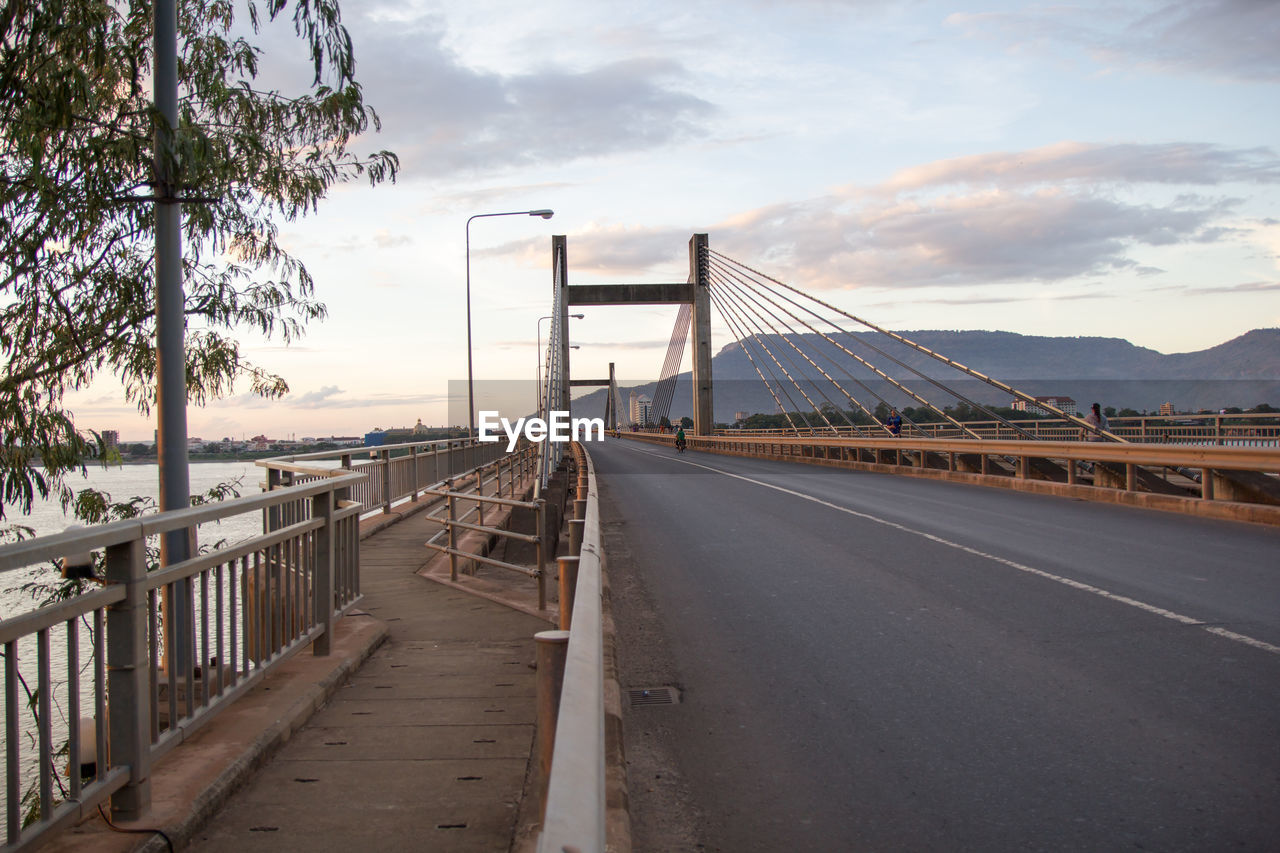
x: 111, y: 437
x: 1166, y: 408
x: 1065, y: 404
x: 641, y: 409
x: 740, y: 416
x: 376, y: 438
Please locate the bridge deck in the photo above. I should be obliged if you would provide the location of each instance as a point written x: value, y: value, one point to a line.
x: 426, y: 746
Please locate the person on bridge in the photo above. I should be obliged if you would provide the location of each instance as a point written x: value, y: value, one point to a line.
x: 1096, y: 418
x: 680, y: 442
x: 894, y: 422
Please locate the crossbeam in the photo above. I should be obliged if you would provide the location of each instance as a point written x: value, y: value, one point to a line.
x: 630, y: 294
x: 580, y: 383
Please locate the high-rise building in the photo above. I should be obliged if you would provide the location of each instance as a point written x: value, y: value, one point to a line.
x: 1166, y: 408
x: 641, y: 409
x: 111, y: 437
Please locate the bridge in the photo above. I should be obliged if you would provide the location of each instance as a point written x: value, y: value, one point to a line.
x: 971, y: 634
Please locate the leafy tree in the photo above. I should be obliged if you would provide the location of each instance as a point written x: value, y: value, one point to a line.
x: 76, y: 190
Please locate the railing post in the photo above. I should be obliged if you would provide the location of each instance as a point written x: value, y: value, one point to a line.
x: 453, y: 531
x: 552, y: 651
x: 272, y: 520
x: 1206, y: 484
x: 129, y: 679
x: 413, y: 453
x: 1130, y: 477
x: 542, y: 553
x: 322, y: 588
x: 568, y: 589
x: 480, y: 494
x: 385, y: 456
x: 576, y: 527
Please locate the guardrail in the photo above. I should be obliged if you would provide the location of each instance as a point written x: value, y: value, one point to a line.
x: 1224, y: 481
x: 520, y: 467
x: 248, y: 607
x: 394, y: 472
x: 574, y: 815
x: 1240, y: 430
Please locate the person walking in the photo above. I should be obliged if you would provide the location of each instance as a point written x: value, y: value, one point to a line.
x: 1097, y: 419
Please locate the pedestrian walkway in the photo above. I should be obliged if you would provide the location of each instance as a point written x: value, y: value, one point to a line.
x: 428, y: 744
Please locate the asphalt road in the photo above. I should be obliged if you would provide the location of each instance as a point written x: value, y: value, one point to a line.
x: 868, y: 662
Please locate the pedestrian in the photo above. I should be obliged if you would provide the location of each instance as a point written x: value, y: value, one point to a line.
x: 1097, y: 419
x: 894, y: 423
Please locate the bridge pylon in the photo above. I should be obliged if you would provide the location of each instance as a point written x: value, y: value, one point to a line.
x: 695, y: 292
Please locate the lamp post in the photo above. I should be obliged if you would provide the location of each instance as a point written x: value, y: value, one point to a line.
x: 471, y: 395
x: 538, y: 353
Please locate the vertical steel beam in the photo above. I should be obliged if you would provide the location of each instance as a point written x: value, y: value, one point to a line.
x: 703, y: 412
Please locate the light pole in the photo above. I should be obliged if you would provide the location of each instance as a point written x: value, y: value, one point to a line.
x: 538, y: 353
x: 471, y: 393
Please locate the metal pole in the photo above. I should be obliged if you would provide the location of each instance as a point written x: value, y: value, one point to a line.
x: 552, y: 653
x: 471, y: 391
x: 171, y: 372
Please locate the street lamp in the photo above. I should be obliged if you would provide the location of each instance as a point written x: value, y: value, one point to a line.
x: 471, y: 392
x: 538, y: 353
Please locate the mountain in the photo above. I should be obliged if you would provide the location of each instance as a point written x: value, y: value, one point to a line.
x: 1241, y: 372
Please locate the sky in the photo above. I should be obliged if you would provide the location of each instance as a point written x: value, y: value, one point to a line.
x: 1058, y: 169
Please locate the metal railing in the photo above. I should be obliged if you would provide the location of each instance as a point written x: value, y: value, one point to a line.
x: 394, y: 472
x: 249, y: 606
x: 1193, y: 472
x: 575, y: 816
x: 1237, y: 430
x: 520, y: 467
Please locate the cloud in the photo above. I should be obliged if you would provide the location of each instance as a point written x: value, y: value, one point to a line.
x: 1233, y: 39
x: 446, y: 119
x: 1247, y: 287
x: 1046, y: 214
x: 1084, y: 163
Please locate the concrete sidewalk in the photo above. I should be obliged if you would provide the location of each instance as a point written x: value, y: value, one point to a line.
x: 426, y: 746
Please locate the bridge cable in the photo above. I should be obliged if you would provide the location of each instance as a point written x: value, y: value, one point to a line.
x: 843, y: 369
x: 759, y: 337
x: 765, y: 291
x: 666, y: 388
x: 742, y: 338
x: 931, y: 380
x: 995, y: 383
x: 897, y: 384
x: 737, y: 324
x: 733, y: 288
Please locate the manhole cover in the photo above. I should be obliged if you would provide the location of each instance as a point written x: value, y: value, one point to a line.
x: 653, y: 696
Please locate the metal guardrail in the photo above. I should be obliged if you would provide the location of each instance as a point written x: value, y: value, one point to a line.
x: 575, y: 801
x: 1241, y: 474
x: 249, y: 606
x: 394, y: 472
x: 520, y: 467
x: 1248, y: 429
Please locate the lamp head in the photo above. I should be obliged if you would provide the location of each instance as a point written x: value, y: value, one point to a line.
x: 577, y: 316
x: 545, y: 214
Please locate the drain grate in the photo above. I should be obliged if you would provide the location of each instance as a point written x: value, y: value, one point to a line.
x: 653, y: 696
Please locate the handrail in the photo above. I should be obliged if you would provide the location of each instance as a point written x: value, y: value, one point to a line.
x: 575, y: 813
x: 248, y: 606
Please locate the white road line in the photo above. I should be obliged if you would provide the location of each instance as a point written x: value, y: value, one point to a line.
x: 1074, y: 584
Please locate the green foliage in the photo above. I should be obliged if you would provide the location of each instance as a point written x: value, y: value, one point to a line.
x: 76, y: 221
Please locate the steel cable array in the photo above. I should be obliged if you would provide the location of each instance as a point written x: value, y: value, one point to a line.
x: 757, y: 307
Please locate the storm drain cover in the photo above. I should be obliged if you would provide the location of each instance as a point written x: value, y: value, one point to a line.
x: 653, y: 696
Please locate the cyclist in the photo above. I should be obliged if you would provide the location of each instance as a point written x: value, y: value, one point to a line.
x: 680, y: 442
